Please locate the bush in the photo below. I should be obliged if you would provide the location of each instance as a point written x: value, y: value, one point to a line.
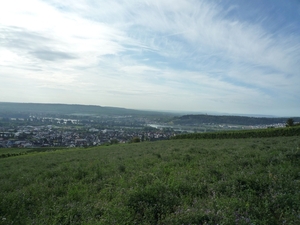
x: 136, y: 140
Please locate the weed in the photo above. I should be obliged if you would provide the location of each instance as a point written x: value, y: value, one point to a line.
x: 207, y: 181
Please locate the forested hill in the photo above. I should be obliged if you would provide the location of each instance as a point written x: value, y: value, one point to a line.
x: 18, y: 109
x: 234, y: 120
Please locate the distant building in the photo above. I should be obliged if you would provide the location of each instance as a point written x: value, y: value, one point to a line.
x: 80, y: 142
x: 93, y: 130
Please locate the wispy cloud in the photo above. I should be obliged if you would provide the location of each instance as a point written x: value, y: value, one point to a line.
x: 193, y: 55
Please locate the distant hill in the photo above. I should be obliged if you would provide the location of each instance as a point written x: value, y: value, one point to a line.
x: 233, y: 120
x: 68, y: 109
x: 22, y: 109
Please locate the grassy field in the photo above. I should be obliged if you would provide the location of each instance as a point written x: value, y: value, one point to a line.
x: 227, y: 181
x: 4, y: 151
x: 10, y: 152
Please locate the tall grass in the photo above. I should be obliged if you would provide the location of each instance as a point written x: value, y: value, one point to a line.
x: 243, y: 181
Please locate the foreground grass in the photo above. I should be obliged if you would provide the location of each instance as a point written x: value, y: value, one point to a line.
x: 4, y: 151
x: 244, y: 181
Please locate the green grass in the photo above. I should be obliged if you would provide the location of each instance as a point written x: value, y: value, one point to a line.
x: 242, y: 181
x: 256, y: 133
x: 12, y: 150
x: 9, y: 152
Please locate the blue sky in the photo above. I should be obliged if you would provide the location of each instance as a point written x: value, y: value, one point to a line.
x: 226, y: 56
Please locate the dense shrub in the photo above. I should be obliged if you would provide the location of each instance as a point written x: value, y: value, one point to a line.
x: 278, y: 132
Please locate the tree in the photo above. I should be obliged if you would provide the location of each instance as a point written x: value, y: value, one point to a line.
x: 135, y: 140
x: 114, y: 141
x: 290, y: 122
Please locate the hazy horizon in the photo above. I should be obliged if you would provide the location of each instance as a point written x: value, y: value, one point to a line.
x: 178, y: 112
x: 227, y: 57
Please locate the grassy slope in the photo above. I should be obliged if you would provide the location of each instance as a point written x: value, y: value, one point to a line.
x: 244, y: 181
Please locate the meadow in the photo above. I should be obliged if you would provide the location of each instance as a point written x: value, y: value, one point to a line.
x: 184, y: 181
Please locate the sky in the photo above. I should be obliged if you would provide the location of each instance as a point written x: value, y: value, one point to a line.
x: 224, y: 56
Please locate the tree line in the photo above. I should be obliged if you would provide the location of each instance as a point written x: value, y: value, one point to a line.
x: 234, y: 120
x: 259, y: 133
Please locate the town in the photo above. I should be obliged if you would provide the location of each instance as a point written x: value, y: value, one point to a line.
x: 58, y: 125
x: 60, y: 132
x: 39, y: 131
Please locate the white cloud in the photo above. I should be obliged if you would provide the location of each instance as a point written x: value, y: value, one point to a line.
x: 151, y: 54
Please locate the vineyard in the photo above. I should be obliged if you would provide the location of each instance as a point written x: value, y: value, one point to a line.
x: 259, y: 133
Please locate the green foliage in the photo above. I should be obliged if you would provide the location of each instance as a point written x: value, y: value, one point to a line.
x: 237, y: 120
x: 290, y: 122
x: 135, y: 140
x: 260, y: 133
x: 9, y: 152
x: 206, y: 181
x: 12, y: 154
x: 152, y: 203
x: 114, y: 141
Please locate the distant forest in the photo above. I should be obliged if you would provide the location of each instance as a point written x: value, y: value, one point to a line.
x: 22, y: 109
x: 233, y: 120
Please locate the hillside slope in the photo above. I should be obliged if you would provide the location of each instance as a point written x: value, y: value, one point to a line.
x: 244, y: 181
x: 64, y: 109
x: 233, y: 120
